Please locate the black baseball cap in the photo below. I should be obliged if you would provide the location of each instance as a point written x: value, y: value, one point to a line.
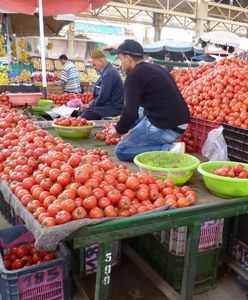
x: 129, y: 47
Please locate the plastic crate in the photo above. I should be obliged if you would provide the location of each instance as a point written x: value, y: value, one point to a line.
x: 199, y: 129
x: 8, y: 212
x: 210, y: 236
x: 88, y: 258
x: 46, y: 281
x: 239, y: 251
x: 170, y: 266
x: 237, y: 146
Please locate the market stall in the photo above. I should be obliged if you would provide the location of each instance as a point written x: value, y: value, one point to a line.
x: 208, y: 207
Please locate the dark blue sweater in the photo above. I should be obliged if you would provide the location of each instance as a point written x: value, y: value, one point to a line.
x: 108, y: 92
x: 154, y: 89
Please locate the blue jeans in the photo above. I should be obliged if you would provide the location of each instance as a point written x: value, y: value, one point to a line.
x: 145, y: 137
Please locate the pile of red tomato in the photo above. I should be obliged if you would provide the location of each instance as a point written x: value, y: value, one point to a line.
x: 216, y: 91
x: 189, y: 140
x: 237, y: 170
x: 105, y: 136
x: 58, y: 183
x: 25, y: 255
x: 72, y: 121
x: 86, y: 97
x: 4, y: 100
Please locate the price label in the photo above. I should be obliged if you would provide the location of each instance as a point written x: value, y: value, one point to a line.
x: 107, y: 269
x: 39, y: 278
x: 91, y: 258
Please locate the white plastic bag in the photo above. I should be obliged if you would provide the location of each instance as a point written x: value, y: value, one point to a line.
x: 215, y: 147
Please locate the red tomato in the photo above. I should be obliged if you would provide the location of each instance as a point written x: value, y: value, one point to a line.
x: 96, y: 213
x: 84, y: 192
x: 90, y: 202
x: 104, y: 202
x: 17, y: 264
x: 132, y: 183
x: 79, y: 213
x: 67, y: 205
x: 114, y: 196
x: 48, y: 221
x: 110, y: 211
x: 62, y: 217
x: 124, y: 202
x: 22, y: 251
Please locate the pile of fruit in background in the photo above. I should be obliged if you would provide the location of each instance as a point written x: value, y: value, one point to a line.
x: 85, y: 98
x: 216, y: 91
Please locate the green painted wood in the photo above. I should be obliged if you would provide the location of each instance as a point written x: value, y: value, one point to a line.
x: 103, y: 271
x: 156, y: 221
x: 189, y: 269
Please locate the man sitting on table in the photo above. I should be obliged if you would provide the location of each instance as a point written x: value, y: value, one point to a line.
x: 108, y: 93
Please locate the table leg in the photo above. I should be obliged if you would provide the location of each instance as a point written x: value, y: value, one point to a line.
x: 103, y: 271
x: 190, y: 261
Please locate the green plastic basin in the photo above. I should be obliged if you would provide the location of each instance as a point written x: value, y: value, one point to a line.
x: 42, y: 106
x: 73, y: 132
x: 225, y: 187
x: 164, y: 165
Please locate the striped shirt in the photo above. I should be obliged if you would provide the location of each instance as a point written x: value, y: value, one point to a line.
x: 70, y: 78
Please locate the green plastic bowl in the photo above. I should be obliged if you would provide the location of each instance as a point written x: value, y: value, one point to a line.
x: 225, y: 187
x: 167, y: 165
x: 73, y: 132
x: 42, y: 106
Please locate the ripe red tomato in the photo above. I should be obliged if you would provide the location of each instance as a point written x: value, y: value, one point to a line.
x: 90, y: 202
x: 79, y: 213
x: 22, y: 251
x: 62, y: 217
x: 114, y: 196
x: 17, y: 264
x: 132, y: 183
x: 67, y: 205
x: 48, y: 221
x: 96, y: 213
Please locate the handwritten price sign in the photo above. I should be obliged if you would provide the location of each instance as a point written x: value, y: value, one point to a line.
x: 91, y: 258
x: 39, y: 278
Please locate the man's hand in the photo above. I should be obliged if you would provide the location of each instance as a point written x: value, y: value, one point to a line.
x: 112, y: 131
x: 109, y: 48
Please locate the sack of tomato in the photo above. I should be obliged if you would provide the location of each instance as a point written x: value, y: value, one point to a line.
x: 27, y: 272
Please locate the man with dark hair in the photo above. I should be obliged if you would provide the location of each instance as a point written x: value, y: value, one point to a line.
x: 108, y: 92
x: 154, y: 108
x: 69, y: 76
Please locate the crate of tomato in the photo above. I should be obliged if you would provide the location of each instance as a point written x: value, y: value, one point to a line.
x: 27, y: 273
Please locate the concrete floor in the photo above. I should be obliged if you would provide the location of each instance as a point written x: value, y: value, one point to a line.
x: 128, y: 282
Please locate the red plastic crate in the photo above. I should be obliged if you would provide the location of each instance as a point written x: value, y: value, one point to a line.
x: 198, y: 129
x: 46, y: 281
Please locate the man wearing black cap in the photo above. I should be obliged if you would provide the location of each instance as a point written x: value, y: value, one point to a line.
x: 150, y: 89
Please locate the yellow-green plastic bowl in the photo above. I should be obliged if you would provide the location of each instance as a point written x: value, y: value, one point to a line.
x: 161, y: 164
x: 225, y: 187
x: 73, y: 132
x: 42, y: 106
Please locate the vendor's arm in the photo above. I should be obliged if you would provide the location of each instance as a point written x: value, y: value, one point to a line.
x: 63, y: 77
x: 132, y: 98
